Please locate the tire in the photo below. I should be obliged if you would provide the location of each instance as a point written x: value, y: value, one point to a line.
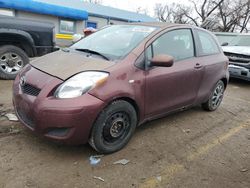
x: 12, y: 60
x: 114, y: 127
x: 215, y: 98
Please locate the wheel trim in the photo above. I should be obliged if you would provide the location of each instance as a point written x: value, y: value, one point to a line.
x: 116, y: 127
x: 11, y: 63
x: 217, y: 95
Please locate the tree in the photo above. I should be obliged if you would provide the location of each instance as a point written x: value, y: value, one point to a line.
x: 218, y: 15
x: 245, y: 16
x: 173, y: 13
x: 234, y: 15
x: 206, y: 9
x: 141, y: 10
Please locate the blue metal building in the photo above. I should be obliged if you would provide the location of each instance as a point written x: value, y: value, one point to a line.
x: 70, y: 16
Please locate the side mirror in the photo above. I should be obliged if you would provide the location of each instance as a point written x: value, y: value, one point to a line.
x: 162, y: 60
x: 224, y: 44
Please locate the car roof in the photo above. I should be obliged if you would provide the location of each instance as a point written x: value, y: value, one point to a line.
x: 162, y: 25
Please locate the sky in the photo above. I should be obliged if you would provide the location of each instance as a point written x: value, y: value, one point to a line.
x: 132, y: 5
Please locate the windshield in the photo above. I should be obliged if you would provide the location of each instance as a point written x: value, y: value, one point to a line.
x: 115, y: 41
x: 242, y: 40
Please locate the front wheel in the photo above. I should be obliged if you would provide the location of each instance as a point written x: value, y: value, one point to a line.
x: 114, y: 127
x: 12, y: 60
x: 215, y: 98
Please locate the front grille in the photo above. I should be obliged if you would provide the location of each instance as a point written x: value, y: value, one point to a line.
x: 238, y: 58
x: 30, y: 90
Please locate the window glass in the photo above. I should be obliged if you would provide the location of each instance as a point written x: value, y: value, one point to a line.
x: 6, y: 12
x: 177, y: 43
x: 149, y: 55
x: 67, y: 26
x: 115, y: 41
x: 208, y: 44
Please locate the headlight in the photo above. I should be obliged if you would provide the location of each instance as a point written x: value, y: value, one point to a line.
x: 80, y: 84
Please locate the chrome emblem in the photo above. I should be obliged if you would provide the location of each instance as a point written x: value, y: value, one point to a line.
x: 22, y: 81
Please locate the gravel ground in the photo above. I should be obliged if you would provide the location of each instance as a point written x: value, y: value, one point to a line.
x: 193, y: 148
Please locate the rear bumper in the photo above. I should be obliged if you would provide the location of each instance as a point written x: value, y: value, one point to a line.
x: 65, y: 120
x: 239, y: 72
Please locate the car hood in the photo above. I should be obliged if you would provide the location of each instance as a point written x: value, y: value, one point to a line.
x: 65, y: 64
x: 245, y: 50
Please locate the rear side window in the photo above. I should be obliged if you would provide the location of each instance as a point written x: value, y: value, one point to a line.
x: 208, y: 44
x: 177, y: 43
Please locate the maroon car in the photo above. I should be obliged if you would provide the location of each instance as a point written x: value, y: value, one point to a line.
x: 102, y: 87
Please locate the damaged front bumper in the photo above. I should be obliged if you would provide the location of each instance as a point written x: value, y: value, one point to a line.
x: 240, y: 72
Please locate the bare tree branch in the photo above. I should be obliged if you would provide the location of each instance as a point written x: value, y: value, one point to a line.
x: 195, y: 8
x: 216, y: 15
x: 213, y: 9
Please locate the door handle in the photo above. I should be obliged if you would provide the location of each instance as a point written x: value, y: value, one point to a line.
x: 197, y: 66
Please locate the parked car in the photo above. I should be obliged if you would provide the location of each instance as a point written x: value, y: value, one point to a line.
x: 21, y: 39
x: 238, y: 53
x: 102, y: 87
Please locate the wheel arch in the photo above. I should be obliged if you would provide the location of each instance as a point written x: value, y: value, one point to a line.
x: 130, y: 101
x: 124, y: 98
x: 19, y: 39
x: 133, y: 103
x: 225, y: 81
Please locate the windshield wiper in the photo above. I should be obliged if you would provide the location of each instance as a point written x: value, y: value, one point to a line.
x: 92, y: 52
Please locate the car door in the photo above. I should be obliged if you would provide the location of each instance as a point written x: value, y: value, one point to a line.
x: 170, y: 88
x: 212, y: 59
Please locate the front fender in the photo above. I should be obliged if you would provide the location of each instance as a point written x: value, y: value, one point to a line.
x: 15, y: 35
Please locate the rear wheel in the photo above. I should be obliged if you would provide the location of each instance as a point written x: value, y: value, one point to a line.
x: 114, y: 127
x: 12, y: 60
x: 215, y: 98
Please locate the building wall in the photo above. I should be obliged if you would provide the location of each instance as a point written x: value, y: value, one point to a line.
x: 101, y: 22
x: 7, y: 12
x: 79, y: 25
x: 39, y: 17
x: 115, y: 22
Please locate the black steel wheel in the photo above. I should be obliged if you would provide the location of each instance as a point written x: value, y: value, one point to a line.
x: 113, y: 127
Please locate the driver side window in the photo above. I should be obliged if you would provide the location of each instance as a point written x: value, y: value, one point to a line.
x: 177, y: 43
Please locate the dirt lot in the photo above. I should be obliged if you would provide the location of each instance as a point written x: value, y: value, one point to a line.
x: 188, y: 149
